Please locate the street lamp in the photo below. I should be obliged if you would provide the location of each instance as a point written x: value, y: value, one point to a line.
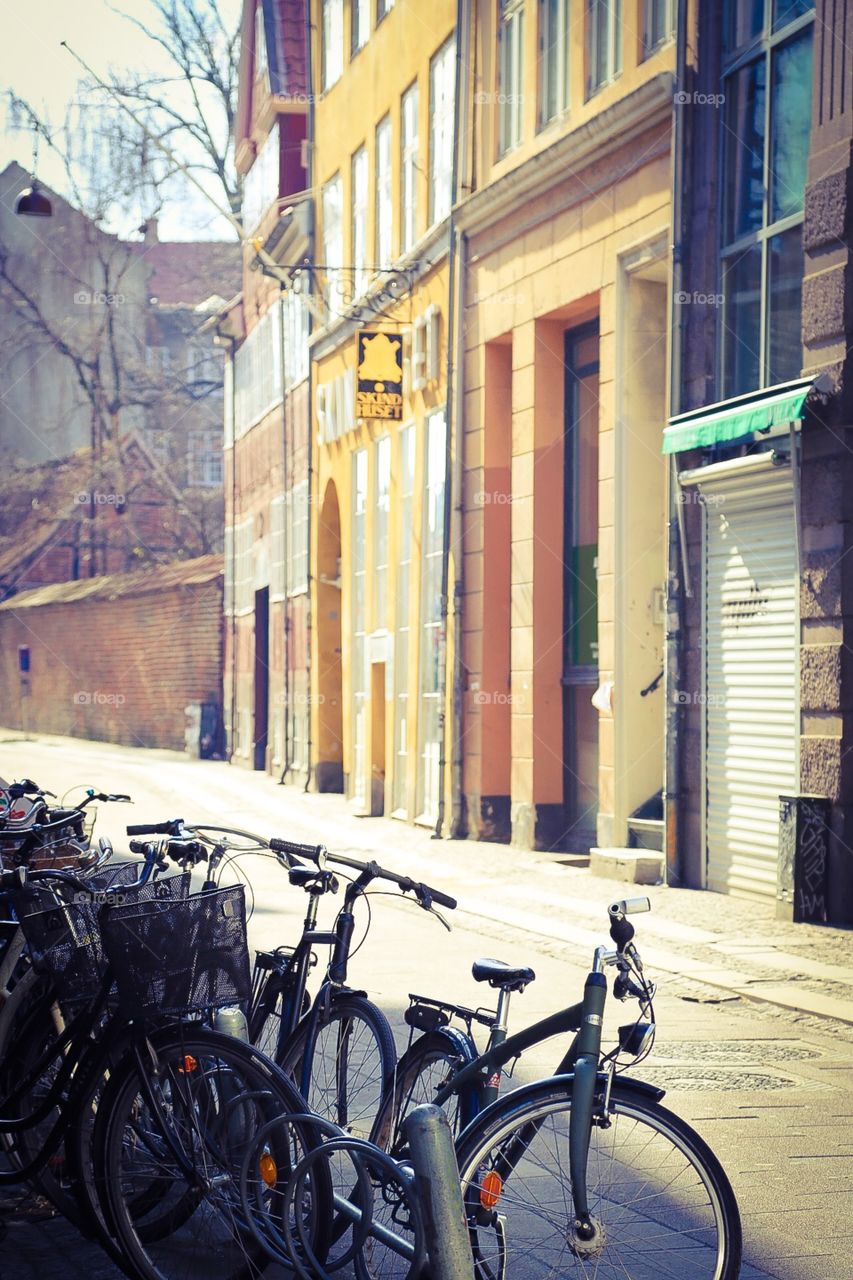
x: 33, y: 203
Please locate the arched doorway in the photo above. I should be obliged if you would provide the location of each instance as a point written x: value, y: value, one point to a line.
x: 329, y: 772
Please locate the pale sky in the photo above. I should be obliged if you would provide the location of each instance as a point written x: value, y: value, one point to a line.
x: 33, y: 65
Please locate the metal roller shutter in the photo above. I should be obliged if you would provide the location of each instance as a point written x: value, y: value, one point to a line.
x: 751, y: 675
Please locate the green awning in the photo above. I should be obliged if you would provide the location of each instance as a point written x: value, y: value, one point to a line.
x: 735, y: 419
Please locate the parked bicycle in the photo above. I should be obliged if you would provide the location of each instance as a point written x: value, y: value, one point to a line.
x: 581, y: 1174
x: 155, y: 1109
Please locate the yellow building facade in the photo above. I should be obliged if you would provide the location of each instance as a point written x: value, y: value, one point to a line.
x: 381, y: 173
x: 566, y: 242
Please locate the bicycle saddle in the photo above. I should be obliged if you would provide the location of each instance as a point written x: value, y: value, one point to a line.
x: 499, y: 974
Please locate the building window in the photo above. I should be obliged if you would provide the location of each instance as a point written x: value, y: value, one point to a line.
x: 383, y: 8
x: 359, y: 219
x: 261, y: 186
x: 239, y: 584
x: 384, y: 201
x: 204, y: 364
x: 358, y: 669
x: 360, y: 30
x: 381, y: 515
x: 260, y: 42
x: 402, y: 580
x: 604, y: 41
x: 295, y: 320
x: 409, y: 168
x: 278, y: 551
x: 766, y: 148
x: 510, y: 74
x: 553, y: 59
x: 204, y: 459
x: 658, y: 24
x: 333, y: 42
x: 333, y: 238
x: 257, y: 373
x: 429, y: 718
x: 297, y: 538
x: 442, y: 93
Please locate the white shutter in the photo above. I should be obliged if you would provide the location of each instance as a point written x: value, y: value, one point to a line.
x: 751, y: 674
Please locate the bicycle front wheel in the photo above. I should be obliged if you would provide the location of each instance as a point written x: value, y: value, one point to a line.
x: 352, y: 1061
x: 213, y: 1096
x: 661, y: 1204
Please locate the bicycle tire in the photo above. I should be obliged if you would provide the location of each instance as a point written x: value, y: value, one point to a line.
x: 217, y: 1092
x: 661, y: 1201
x: 352, y: 1063
x: 427, y: 1065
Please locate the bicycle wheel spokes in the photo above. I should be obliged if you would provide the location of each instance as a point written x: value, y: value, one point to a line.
x: 661, y: 1206
x: 174, y: 1169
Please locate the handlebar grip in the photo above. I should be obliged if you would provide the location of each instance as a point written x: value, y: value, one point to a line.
x: 313, y: 852
x: 14, y: 879
x: 154, y: 828
x: 441, y: 899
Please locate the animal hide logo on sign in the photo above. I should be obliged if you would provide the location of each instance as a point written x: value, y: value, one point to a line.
x: 379, y: 386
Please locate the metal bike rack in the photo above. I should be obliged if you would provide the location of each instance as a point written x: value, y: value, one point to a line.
x: 437, y: 1184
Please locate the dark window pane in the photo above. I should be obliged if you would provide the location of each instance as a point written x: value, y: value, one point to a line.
x: 744, y: 140
x: 746, y: 18
x: 784, y: 323
x: 742, y: 322
x: 785, y: 11
x: 791, y: 117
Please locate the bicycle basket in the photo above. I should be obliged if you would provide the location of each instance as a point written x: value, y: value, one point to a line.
x: 64, y: 938
x: 179, y: 957
x: 113, y: 886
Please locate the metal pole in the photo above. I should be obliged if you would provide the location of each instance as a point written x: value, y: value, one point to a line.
x: 437, y: 1185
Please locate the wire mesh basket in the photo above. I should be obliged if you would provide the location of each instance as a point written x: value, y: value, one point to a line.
x: 64, y: 938
x: 179, y: 957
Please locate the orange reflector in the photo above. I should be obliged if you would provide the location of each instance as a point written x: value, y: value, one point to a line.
x: 490, y: 1189
x: 189, y: 1064
x: 268, y: 1169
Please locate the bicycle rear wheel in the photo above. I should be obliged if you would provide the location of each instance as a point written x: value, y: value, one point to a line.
x: 352, y: 1063
x: 213, y: 1095
x: 662, y: 1206
x: 427, y: 1066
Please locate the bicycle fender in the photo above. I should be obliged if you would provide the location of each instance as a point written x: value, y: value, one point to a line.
x: 339, y: 992
x: 623, y: 1086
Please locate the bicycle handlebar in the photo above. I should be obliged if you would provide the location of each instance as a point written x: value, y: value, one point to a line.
x: 316, y: 853
x: 171, y: 828
x: 425, y: 894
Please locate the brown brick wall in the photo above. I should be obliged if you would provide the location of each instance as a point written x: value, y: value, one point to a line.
x: 119, y: 671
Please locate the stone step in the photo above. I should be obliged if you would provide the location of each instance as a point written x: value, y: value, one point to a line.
x: 636, y: 866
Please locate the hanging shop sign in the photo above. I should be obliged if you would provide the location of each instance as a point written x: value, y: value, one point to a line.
x: 379, y: 382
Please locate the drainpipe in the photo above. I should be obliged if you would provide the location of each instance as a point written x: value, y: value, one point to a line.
x: 677, y: 566
x: 286, y: 449
x: 232, y: 347
x: 309, y: 180
x: 462, y: 31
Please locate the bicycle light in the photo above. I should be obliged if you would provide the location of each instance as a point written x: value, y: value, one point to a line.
x: 635, y: 1037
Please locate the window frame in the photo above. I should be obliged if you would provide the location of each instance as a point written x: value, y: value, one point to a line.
x: 760, y: 47
x: 651, y: 44
x: 443, y: 61
x: 360, y: 9
x: 612, y: 11
x: 562, y: 72
x: 332, y: 30
x: 359, y: 190
x: 409, y: 151
x: 510, y: 96
x: 383, y: 195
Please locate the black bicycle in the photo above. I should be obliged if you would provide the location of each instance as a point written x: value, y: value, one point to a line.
x: 583, y: 1174
x: 155, y: 1109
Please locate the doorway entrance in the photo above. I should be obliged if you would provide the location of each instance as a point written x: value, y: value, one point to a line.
x: 377, y: 739
x: 580, y: 588
x: 262, y: 678
x: 329, y: 769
